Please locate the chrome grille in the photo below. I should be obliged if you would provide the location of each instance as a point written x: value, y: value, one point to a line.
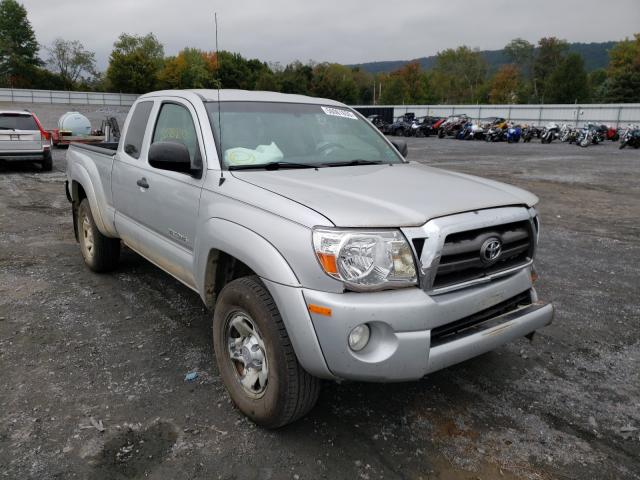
x: 448, y: 248
x: 461, y: 259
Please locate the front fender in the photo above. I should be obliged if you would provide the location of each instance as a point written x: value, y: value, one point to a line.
x: 245, y: 245
x: 268, y: 263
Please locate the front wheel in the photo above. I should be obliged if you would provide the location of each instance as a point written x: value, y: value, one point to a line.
x: 256, y: 359
x: 622, y: 144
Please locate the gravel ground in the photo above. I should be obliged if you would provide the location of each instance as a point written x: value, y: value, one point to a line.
x: 92, y: 366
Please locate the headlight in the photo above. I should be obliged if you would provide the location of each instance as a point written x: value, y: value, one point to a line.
x: 366, y: 260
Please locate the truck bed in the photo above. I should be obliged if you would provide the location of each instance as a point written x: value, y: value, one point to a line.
x: 104, y: 148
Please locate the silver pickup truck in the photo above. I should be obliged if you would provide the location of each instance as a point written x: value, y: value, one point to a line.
x: 321, y: 251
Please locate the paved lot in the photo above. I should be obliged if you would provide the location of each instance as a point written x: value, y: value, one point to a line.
x: 77, y: 349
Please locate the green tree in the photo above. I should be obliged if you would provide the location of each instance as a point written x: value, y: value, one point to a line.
x: 550, y: 53
x: 418, y: 90
x: 18, y: 46
x: 267, y: 81
x: 235, y: 71
x: 598, y: 85
x: 521, y: 53
x: 335, y: 81
x: 296, y: 78
x: 71, y: 60
x: 394, y: 90
x: 623, y: 84
x: 458, y: 75
x: 569, y: 82
x: 135, y: 63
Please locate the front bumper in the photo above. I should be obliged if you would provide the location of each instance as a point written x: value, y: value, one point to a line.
x: 401, y: 321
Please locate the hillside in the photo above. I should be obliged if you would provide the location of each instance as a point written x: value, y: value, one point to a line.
x: 595, y: 56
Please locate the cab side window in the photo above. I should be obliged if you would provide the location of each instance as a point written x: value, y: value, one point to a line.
x: 175, y: 124
x: 136, y: 129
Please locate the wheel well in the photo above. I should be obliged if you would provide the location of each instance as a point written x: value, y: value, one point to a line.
x: 77, y: 192
x: 222, y: 268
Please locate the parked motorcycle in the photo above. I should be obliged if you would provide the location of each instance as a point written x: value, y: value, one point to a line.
x: 567, y: 134
x: 630, y: 137
x: 513, y: 133
x: 549, y: 132
x: 528, y: 132
x: 495, y: 134
x: 452, y: 125
x: 588, y: 135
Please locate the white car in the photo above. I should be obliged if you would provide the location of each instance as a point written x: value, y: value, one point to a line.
x: 23, y: 139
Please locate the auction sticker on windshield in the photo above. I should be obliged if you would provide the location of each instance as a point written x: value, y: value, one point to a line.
x: 338, y: 112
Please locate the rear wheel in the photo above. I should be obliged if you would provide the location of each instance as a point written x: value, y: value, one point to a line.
x: 100, y: 253
x: 47, y: 162
x: 256, y: 359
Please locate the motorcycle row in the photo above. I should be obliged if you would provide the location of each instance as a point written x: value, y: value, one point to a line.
x: 496, y: 129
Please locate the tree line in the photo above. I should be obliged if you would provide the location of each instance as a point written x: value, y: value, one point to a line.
x: 542, y: 73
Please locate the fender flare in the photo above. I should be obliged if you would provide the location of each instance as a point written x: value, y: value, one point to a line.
x: 80, y: 175
x: 245, y: 245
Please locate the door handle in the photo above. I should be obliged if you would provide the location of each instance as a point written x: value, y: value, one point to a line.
x: 142, y: 183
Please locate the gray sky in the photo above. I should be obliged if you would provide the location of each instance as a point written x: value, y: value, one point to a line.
x: 344, y: 31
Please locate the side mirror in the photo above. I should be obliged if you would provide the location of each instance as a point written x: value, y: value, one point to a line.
x: 172, y: 156
x: 401, y: 146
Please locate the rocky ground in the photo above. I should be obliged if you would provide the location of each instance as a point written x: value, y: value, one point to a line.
x: 92, y: 367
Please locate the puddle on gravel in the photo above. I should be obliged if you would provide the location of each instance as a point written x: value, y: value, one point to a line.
x: 132, y: 453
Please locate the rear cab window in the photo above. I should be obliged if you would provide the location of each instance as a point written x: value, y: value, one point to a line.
x: 17, y: 121
x: 137, y: 127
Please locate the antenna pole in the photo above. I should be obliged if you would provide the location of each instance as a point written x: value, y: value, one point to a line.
x: 221, y: 159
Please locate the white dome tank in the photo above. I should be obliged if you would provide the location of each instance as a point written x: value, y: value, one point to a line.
x: 76, y: 123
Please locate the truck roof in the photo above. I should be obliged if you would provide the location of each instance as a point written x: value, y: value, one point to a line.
x: 231, y: 95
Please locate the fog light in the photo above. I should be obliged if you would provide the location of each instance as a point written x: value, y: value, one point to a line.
x: 359, y: 337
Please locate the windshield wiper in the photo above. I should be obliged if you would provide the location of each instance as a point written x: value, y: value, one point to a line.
x: 351, y: 163
x: 7, y: 128
x: 272, y: 166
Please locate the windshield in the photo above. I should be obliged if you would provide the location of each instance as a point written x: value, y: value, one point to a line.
x: 17, y: 121
x: 261, y: 133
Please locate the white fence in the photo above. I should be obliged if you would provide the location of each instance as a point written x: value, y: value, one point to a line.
x: 66, y: 97
x: 611, y: 114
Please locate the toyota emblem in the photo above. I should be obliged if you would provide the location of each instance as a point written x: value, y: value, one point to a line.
x: 491, y: 250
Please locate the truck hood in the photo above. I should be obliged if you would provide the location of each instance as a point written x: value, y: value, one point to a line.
x: 399, y: 195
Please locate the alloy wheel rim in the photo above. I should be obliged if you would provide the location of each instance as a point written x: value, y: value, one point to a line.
x: 246, y: 350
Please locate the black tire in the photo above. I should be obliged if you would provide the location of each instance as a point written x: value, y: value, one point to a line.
x: 441, y: 133
x: 47, y: 162
x: 289, y: 392
x: 622, y: 145
x: 100, y: 253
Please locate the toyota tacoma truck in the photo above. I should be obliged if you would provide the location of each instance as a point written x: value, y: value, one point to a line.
x: 321, y: 252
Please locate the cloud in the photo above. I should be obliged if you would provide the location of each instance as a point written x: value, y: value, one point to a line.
x: 345, y: 31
